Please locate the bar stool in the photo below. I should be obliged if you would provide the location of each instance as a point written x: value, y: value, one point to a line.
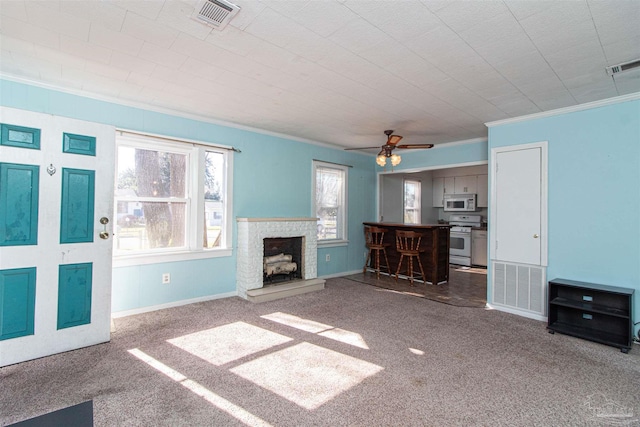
x: 374, y: 237
x: 408, y: 244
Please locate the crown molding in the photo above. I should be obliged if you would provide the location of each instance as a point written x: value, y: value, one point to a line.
x: 565, y: 110
x: 461, y: 142
x: 443, y: 145
x: 190, y: 116
x: 162, y: 110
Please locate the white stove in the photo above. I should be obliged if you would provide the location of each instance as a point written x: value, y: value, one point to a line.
x: 460, y: 238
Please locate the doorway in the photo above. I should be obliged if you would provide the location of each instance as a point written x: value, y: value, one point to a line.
x: 518, y: 236
x: 467, y: 285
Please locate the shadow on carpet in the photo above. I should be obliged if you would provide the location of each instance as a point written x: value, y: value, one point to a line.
x: 462, y: 290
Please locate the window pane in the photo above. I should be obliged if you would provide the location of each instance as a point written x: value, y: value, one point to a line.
x: 150, y: 225
x: 157, y: 200
x: 213, y: 199
x: 412, y: 202
x: 329, y: 202
x: 149, y: 173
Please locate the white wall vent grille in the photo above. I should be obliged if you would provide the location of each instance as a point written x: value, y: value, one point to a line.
x: 520, y: 287
x: 615, y: 69
x: 216, y: 13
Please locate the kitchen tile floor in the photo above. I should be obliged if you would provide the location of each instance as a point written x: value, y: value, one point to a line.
x: 467, y: 286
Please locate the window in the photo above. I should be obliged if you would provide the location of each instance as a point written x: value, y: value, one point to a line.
x: 330, y: 189
x: 171, y: 197
x: 412, y: 202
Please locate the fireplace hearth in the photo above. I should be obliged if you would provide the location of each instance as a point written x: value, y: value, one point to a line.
x: 252, y: 233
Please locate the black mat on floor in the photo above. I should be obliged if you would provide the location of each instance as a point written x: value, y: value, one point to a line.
x: 80, y: 415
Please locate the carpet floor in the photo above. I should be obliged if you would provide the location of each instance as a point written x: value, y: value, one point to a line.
x: 349, y: 355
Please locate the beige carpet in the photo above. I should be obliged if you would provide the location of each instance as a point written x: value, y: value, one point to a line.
x: 349, y: 355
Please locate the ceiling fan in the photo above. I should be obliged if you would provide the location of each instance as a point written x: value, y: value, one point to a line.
x: 387, y: 149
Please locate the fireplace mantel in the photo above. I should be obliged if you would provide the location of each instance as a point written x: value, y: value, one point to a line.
x: 249, y: 270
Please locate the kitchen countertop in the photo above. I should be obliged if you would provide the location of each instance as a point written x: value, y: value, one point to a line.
x: 402, y: 225
x: 434, y: 244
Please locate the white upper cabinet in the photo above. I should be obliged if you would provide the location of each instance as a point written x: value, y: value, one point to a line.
x: 465, y: 184
x: 438, y: 192
x: 475, y: 184
x: 483, y: 191
x: 442, y: 186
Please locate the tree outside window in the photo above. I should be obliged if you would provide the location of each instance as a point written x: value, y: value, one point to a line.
x: 169, y: 196
x: 330, y: 184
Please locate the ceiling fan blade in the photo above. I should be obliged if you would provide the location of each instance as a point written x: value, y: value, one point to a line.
x: 393, y: 139
x: 415, y: 146
x: 362, y: 148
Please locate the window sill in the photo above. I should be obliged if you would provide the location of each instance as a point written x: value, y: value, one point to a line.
x: 332, y: 243
x: 134, y: 260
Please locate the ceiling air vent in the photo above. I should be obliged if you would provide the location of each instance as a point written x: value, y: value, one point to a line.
x: 216, y: 13
x: 615, y: 69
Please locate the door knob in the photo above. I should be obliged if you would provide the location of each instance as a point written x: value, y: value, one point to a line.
x: 104, y: 234
x: 535, y: 236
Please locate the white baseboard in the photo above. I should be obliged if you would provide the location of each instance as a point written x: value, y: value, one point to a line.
x: 171, y: 304
x: 344, y: 273
x: 512, y: 310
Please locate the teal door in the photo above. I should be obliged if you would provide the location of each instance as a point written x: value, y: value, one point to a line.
x: 56, y: 192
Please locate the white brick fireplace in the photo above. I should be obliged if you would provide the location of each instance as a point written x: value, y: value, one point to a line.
x: 249, y: 270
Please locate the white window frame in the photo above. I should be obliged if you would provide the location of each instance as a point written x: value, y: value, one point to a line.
x: 342, y: 238
x: 404, y: 200
x: 194, y: 234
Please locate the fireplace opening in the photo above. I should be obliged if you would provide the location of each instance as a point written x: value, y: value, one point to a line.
x: 283, y: 259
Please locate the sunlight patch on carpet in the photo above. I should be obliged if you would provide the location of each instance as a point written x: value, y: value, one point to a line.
x: 306, y: 374
x: 221, y: 403
x: 227, y: 343
x: 327, y: 331
x: 346, y: 337
x: 297, y: 322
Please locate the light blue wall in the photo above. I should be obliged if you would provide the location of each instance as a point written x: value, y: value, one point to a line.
x: 594, y: 191
x: 437, y: 158
x: 272, y: 178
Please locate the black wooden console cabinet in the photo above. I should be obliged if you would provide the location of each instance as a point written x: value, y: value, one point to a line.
x: 595, y: 312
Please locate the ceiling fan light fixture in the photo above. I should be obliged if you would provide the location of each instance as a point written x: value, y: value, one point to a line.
x: 386, y: 151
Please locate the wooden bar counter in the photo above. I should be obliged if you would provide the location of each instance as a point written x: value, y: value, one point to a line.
x: 435, y: 241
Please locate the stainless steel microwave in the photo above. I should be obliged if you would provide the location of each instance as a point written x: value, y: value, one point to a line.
x: 459, y: 202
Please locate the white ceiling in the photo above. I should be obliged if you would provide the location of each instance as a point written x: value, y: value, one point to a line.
x: 332, y: 71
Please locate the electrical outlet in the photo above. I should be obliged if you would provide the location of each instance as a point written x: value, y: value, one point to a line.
x: 166, y: 278
x: 327, y: 257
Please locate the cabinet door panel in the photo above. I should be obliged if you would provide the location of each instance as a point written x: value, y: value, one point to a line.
x: 438, y: 192
x: 449, y: 185
x: 483, y: 191
x: 465, y: 184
